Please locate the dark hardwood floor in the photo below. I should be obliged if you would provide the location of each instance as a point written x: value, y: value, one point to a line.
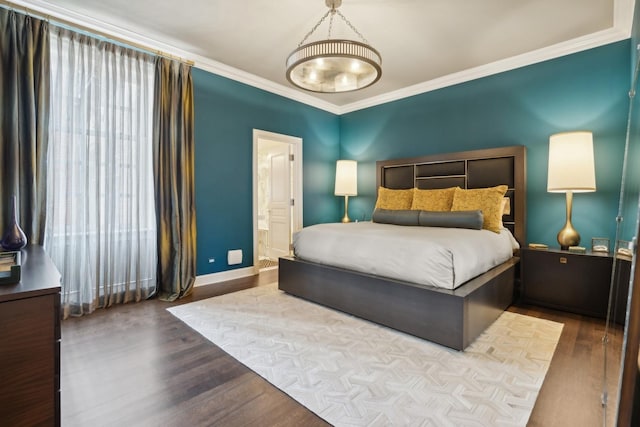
x: 137, y: 365
x: 571, y: 394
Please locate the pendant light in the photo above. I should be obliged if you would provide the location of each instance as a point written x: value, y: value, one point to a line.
x: 334, y: 65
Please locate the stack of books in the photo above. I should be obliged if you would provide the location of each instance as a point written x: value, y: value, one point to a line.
x: 577, y: 250
x: 9, y: 267
x: 538, y: 246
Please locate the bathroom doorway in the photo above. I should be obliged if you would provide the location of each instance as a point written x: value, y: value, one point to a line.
x: 277, y: 178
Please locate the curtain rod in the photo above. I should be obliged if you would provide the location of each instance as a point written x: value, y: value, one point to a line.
x: 57, y: 20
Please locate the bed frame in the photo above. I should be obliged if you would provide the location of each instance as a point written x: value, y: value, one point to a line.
x: 453, y: 318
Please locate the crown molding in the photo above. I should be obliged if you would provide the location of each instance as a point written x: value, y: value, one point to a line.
x: 52, y: 11
x: 623, y: 15
x: 621, y: 29
x: 262, y: 83
x: 540, y: 55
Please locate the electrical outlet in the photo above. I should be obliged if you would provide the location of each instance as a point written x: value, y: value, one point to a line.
x: 212, y: 260
x: 234, y: 257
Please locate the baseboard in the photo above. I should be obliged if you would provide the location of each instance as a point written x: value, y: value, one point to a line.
x: 223, y: 276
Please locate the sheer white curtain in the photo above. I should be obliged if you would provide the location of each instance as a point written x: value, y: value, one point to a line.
x: 101, y: 224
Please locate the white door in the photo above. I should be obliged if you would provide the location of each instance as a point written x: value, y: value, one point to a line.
x: 285, y: 184
x: 279, y: 202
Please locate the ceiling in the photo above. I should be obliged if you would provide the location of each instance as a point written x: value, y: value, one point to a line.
x: 425, y: 44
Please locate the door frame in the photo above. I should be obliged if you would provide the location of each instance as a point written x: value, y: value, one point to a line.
x: 295, y: 144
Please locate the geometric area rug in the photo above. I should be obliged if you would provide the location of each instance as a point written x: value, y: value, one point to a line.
x: 352, y: 372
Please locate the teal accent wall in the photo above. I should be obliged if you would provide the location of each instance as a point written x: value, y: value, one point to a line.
x: 226, y: 112
x: 582, y: 91
x: 586, y: 90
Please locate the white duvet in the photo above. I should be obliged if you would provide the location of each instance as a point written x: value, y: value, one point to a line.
x: 442, y: 257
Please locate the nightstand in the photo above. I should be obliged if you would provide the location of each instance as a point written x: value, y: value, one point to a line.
x: 577, y: 283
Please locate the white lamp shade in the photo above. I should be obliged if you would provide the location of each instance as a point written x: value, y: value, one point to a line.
x: 571, y: 163
x: 346, y: 178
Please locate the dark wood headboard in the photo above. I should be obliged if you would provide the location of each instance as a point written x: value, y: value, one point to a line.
x: 466, y: 169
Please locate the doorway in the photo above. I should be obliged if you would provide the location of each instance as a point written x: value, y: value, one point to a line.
x: 277, y: 196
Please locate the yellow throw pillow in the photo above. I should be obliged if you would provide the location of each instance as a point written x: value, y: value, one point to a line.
x: 433, y: 200
x: 505, y: 209
x: 488, y: 200
x: 394, y: 199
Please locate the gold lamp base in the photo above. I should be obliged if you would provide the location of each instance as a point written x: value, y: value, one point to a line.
x: 346, y: 218
x: 568, y: 236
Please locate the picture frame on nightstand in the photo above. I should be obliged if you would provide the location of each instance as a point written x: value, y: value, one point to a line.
x: 625, y: 247
x: 600, y: 245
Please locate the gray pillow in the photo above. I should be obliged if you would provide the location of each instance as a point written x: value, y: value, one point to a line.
x: 457, y: 219
x: 397, y: 217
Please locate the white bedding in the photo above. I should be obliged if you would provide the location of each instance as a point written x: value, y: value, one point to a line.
x: 441, y: 257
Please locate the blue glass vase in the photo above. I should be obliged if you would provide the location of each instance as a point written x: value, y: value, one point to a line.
x: 13, y: 238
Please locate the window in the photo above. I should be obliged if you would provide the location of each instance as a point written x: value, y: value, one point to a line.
x: 101, y: 222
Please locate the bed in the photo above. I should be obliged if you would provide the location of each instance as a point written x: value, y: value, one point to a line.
x: 450, y: 317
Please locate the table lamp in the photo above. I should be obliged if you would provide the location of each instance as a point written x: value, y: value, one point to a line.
x: 346, y: 183
x: 571, y: 170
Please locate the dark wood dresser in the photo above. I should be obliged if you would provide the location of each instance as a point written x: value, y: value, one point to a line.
x: 30, y: 344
